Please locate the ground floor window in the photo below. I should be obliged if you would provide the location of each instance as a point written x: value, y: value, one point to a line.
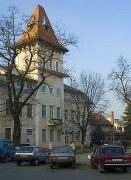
x: 43, y: 135
x: 52, y: 135
x: 66, y: 138
x: 58, y: 135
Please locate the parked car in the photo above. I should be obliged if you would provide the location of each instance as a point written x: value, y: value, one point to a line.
x: 7, y: 150
x: 31, y: 154
x: 110, y: 156
x: 20, y: 145
x: 61, y: 156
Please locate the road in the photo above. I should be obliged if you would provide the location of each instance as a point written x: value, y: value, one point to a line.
x: 10, y: 171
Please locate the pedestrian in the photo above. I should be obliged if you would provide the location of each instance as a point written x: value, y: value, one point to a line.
x: 91, y: 146
x: 72, y: 145
x: 50, y: 147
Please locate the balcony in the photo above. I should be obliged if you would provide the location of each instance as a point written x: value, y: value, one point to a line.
x: 54, y: 122
x: 60, y: 72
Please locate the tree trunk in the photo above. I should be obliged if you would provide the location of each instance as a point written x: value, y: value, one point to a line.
x: 17, y: 130
x: 82, y: 140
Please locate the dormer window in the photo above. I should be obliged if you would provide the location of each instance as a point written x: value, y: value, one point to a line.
x: 45, y: 23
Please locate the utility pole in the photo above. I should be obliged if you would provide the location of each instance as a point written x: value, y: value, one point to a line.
x: 113, y: 133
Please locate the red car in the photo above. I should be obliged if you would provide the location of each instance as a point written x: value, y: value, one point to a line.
x: 110, y: 156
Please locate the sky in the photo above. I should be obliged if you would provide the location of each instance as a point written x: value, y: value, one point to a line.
x: 103, y: 28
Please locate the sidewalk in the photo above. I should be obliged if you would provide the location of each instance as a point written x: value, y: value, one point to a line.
x: 128, y: 151
x: 82, y: 159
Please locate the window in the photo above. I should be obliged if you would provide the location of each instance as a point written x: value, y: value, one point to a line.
x: 43, y: 88
x: 50, y: 64
x: 72, y: 115
x: 58, y: 112
x: 43, y: 135
x: 29, y: 110
x: 51, y: 89
x: 43, y: 110
x: 58, y: 92
x: 8, y: 107
x: 58, y: 135
x: 18, y: 83
x: 29, y: 85
x: 51, y: 112
x: 57, y: 66
x: 51, y: 135
x: 78, y: 115
x: 66, y: 114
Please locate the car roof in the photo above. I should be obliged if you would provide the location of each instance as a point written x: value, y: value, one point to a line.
x: 62, y: 147
x: 111, y: 146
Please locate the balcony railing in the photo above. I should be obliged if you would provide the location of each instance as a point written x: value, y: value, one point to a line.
x: 54, y: 122
x: 60, y: 72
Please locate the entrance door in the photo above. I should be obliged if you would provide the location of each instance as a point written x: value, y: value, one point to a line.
x: 8, y: 133
x: 30, y: 136
x: 66, y: 138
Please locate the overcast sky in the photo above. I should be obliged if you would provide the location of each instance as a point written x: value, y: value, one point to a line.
x: 103, y: 28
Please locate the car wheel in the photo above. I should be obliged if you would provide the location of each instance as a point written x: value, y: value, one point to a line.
x: 18, y: 163
x: 36, y: 162
x: 101, y: 168
x: 47, y: 161
x: 73, y: 165
x: 92, y: 165
x: 6, y: 158
x: 124, y: 169
x: 52, y: 165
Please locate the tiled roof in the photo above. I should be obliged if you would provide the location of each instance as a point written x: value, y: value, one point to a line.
x: 35, y: 30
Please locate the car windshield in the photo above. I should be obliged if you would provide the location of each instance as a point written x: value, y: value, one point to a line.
x: 112, y: 150
x: 62, y: 150
x: 25, y: 149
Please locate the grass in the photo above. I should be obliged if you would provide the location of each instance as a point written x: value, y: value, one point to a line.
x: 79, y: 151
x: 129, y: 147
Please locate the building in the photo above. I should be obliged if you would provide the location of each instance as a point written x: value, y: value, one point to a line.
x: 119, y: 136
x: 74, y: 105
x: 42, y: 117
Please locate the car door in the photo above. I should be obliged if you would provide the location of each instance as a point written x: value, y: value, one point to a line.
x: 93, y: 156
x: 43, y: 155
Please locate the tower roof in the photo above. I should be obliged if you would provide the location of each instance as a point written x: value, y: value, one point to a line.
x: 39, y: 28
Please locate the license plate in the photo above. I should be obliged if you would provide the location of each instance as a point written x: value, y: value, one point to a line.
x: 117, y: 160
x: 62, y: 157
x: 23, y: 155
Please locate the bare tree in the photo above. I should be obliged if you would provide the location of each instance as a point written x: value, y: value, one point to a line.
x: 121, y: 80
x: 87, y: 99
x: 11, y: 29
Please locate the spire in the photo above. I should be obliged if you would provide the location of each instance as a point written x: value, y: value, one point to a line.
x: 39, y: 28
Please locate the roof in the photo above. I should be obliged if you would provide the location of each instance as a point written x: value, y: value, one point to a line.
x: 71, y: 89
x: 35, y: 30
x: 103, y: 121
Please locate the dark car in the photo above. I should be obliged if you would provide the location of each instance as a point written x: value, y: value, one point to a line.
x: 31, y: 154
x: 110, y: 156
x: 7, y: 150
x: 61, y: 156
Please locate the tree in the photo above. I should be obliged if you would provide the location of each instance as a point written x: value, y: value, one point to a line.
x: 127, y: 122
x: 121, y: 85
x: 97, y: 135
x: 14, y: 40
x: 87, y: 99
x: 121, y: 80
